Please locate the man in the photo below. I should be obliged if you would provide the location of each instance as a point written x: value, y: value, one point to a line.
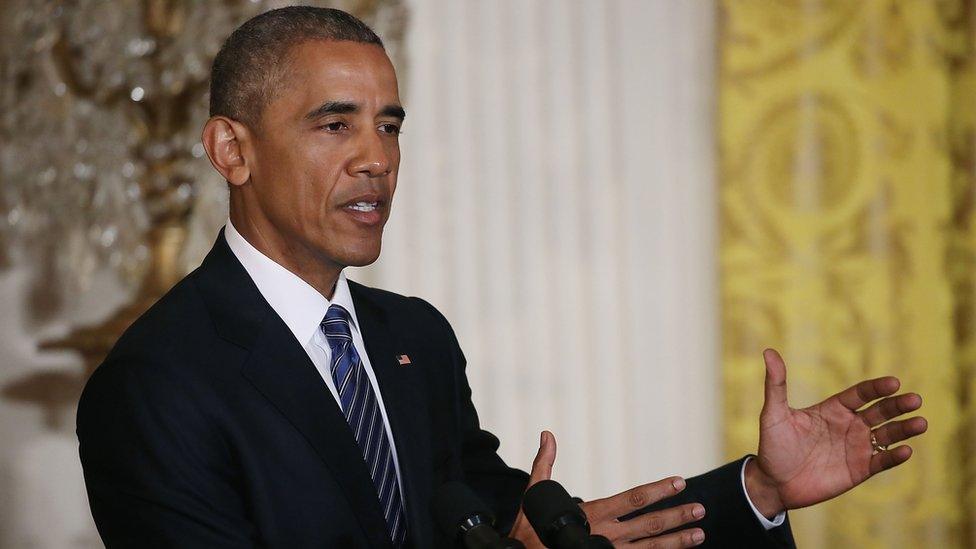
x: 268, y: 401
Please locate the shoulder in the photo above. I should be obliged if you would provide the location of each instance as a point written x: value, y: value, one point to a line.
x: 174, y: 326
x: 171, y: 349
x: 400, y: 307
x: 407, y: 315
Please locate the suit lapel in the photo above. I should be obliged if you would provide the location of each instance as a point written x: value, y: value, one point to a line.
x: 405, y: 398
x: 279, y: 368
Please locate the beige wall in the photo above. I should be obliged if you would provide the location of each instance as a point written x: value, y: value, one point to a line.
x: 42, y: 501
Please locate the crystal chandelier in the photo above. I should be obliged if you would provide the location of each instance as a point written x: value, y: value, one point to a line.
x: 101, y: 107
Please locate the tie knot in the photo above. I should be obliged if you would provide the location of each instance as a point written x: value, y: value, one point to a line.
x: 336, y: 323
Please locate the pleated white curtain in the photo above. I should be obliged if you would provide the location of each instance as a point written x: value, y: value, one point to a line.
x: 556, y: 202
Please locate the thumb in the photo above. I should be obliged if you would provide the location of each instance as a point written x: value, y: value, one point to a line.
x: 541, y: 470
x: 776, y: 402
x: 544, y: 459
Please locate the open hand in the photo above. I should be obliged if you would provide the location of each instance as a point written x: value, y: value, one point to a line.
x: 810, y: 455
x: 641, y: 531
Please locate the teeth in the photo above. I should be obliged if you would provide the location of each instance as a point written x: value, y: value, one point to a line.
x: 364, y: 206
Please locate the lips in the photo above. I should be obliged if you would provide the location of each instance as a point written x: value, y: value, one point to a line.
x: 364, y: 206
x: 366, y: 209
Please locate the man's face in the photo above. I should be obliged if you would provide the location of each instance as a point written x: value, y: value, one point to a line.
x: 324, y: 161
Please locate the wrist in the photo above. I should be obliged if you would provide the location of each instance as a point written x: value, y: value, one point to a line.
x: 761, y: 489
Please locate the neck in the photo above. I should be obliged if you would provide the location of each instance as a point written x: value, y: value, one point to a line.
x: 321, y: 275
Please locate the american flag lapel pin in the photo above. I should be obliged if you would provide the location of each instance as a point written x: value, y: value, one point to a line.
x: 403, y: 360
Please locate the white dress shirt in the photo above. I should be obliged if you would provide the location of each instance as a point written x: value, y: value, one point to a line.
x: 303, y: 308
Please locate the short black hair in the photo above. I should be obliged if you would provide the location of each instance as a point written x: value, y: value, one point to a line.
x: 248, y: 69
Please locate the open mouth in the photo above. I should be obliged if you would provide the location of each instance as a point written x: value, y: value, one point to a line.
x: 366, y: 210
x: 364, y: 206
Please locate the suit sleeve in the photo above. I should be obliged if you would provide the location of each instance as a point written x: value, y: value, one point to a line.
x: 729, y: 520
x: 156, y: 470
x: 499, y: 486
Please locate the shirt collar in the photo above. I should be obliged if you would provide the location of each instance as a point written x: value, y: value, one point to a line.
x: 299, y: 305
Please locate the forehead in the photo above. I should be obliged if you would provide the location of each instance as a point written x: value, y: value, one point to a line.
x: 321, y: 70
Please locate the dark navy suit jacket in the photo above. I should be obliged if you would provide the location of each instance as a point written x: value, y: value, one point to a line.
x: 208, y: 426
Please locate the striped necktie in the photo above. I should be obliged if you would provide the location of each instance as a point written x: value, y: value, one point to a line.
x: 362, y: 411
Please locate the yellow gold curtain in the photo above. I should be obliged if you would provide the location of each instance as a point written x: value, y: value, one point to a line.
x: 848, y: 238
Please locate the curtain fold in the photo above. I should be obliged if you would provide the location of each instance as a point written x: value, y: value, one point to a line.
x: 556, y: 202
x: 847, y: 238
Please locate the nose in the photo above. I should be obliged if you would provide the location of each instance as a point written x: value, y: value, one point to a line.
x: 371, y: 158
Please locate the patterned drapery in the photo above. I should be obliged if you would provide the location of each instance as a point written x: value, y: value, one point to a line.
x: 847, y: 237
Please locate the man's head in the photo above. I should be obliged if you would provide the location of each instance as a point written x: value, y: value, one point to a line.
x: 304, y: 127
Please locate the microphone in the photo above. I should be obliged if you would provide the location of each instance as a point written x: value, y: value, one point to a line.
x: 558, y: 519
x: 461, y: 515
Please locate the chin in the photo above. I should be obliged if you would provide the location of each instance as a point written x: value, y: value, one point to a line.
x: 362, y: 257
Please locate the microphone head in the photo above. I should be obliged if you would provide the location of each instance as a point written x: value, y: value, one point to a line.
x: 549, y: 508
x: 456, y: 508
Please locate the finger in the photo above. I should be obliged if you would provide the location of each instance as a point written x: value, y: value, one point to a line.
x: 684, y: 538
x: 890, y: 458
x: 653, y: 524
x: 897, y: 431
x: 858, y: 395
x: 889, y: 408
x: 775, y: 387
x: 544, y: 458
x: 633, y: 499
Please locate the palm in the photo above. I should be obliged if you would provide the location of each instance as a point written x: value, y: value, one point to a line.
x: 816, y: 453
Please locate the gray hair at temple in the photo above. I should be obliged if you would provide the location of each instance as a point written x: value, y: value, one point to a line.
x: 250, y: 67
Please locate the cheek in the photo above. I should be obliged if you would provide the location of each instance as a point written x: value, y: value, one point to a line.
x: 317, y: 179
x: 322, y: 193
x: 393, y: 153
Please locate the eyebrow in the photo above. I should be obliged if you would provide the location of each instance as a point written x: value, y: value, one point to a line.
x: 346, y: 107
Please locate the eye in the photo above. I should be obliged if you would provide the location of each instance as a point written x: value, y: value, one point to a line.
x: 392, y: 129
x: 334, y: 127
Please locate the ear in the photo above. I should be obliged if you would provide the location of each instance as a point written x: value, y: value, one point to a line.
x: 223, y: 138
